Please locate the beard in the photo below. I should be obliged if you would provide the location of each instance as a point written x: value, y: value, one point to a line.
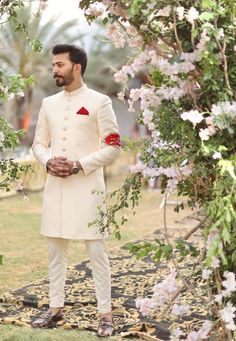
x: 64, y: 80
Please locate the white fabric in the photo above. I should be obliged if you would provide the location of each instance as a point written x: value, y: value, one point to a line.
x: 97, y: 252
x: 68, y: 203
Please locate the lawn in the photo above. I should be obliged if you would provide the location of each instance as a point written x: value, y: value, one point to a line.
x: 25, y: 251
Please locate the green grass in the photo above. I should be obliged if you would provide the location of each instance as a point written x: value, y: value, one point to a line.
x: 25, y: 252
x: 14, y: 333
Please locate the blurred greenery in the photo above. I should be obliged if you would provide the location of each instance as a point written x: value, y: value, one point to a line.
x: 21, y: 43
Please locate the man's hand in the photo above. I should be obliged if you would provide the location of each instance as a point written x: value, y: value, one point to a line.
x: 60, y: 166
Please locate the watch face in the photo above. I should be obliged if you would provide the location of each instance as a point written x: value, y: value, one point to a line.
x: 75, y: 170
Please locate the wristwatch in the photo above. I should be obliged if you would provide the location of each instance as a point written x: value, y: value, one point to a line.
x: 75, y: 168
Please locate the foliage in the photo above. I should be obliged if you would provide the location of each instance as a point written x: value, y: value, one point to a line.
x: 188, y: 104
x: 31, y: 40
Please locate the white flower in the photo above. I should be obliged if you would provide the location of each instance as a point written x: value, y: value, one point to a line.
x: 137, y: 168
x: 206, y: 273
x: 224, y: 108
x: 220, y: 33
x: 147, y: 116
x: 204, y: 134
x: 229, y: 283
x: 205, y: 330
x: 216, y: 155
x: 180, y: 12
x: 192, y: 15
x: 21, y: 93
x: 193, y: 116
x: 11, y: 96
x: 151, y: 126
x: 234, y: 48
x: 128, y: 70
x: 96, y: 9
x: 114, y: 34
x: 227, y: 315
x: 152, y: 172
x: 19, y: 186
x: 164, y: 12
x: 151, y: 5
x: 215, y: 263
x: 218, y: 298
x: 145, y: 305
x: 2, y: 137
x: 120, y: 77
x: 180, y: 310
x: 193, y: 336
x: 121, y: 96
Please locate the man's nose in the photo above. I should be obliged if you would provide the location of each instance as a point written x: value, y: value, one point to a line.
x: 54, y: 69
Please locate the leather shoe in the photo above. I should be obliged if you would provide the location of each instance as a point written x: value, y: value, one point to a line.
x: 106, y: 327
x: 47, y: 320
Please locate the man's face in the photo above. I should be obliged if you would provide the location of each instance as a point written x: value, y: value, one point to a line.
x: 63, y: 69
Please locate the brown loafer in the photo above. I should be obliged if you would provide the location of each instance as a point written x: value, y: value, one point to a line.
x: 106, y: 327
x: 47, y: 320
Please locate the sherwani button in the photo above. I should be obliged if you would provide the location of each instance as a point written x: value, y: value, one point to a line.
x: 64, y: 149
x: 65, y: 128
x: 66, y: 118
x: 64, y: 138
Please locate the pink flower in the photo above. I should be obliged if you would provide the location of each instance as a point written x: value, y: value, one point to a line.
x: 193, y: 336
x: 121, y: 96
x: 227, y: 315
x: 96, y: 9
x: 137, y: 168
x: 164, y: 12
x: 206, y: 273
x: 114, y: 34
x: 229, y: 283
x: 144, y: 305
x: 180, y: 310
x: 120, y: 77
x: 215, y: 263
x: 203, y: 333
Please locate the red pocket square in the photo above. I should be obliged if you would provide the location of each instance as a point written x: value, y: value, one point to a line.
x: 82, y: 111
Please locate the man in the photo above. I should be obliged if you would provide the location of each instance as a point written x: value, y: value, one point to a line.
x: 81, y: 127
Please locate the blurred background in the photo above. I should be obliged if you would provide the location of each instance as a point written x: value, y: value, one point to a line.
x: 52, y: 23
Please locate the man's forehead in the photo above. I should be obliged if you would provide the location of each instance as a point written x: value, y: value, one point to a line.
x: 61, y: 57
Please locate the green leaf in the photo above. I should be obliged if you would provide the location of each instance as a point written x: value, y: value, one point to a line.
x: 206, y: 16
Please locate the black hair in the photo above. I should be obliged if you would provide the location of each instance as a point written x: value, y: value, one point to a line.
x: 77, y: 54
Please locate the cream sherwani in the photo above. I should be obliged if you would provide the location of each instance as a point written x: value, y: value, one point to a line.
x: 68, y: 203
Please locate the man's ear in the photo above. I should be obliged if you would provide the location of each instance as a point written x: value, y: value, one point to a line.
x: 78, y: 68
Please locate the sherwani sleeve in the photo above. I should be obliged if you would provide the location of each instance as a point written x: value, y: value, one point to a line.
x: 42, y: 138
x: 107, y: 126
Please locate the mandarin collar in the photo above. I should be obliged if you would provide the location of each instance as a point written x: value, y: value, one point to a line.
x: 76, y: 92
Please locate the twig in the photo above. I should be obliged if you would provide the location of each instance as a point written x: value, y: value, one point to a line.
x: 172, y: 300
x: 176, y: 34
x: 194, y: 229
x: 173, y: 259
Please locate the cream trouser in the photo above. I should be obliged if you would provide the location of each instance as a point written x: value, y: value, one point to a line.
x: 57, y: 259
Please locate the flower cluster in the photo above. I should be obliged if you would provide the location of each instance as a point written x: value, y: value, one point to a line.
x: 188, y: 107
x: 163, y: 292
x: 203, y: 333
x: 96, y: 9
